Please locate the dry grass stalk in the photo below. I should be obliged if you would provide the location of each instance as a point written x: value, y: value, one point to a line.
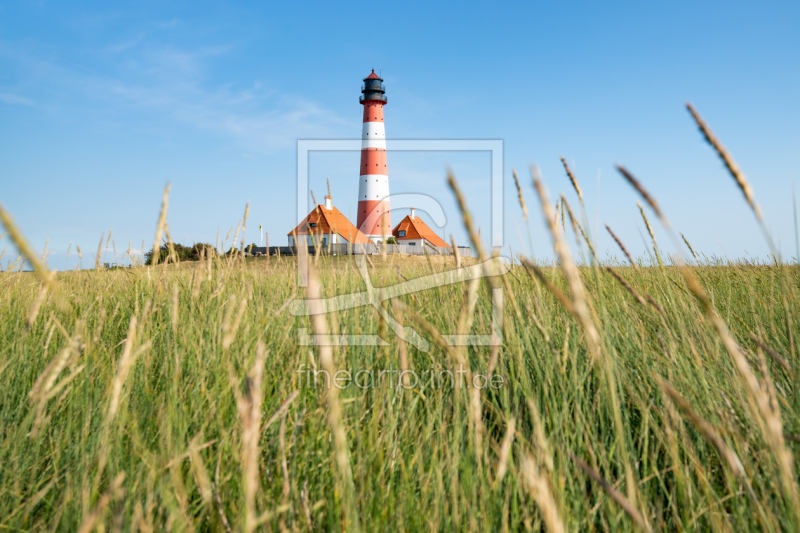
x: 764, y: 413
x: 655, y: 305
x: 475, y: 237
x: 707, y: 430
x: 650, y: 231
x: 468, y: 225
x: 174, y: 310
x: 162, y: 219
x: 37, y: 303
x: 44, y: 253
x: 467, y: 311
x: 575, y: 225
x: 173, y: 256
x: 457, y: 356
x: 45, y: 387
x: 23, y: 247
x: 125, y: 364
x: 537, y: 484
x: 285, y: 487
x: 233, y: 243
x: 456, y: 253
x: 476, y: 412
x: 335, y: 416
x: 627, y: 287
x: 49, y: 375
x: 284, y: 407
x: 428, y: 328
x: 644, y: 194
x: 613, y: 493
x: 521, y: 197
x: 555, y: 211
x: 579, y: 307
x: 231, y: 327
x: 244, y: 229
x: 542, y: 448
x: 505, y: 451
x: 622, y: 247
x: 772, y: 353
x: 218, y: 498
x: 402, y: 351
x: 249, y: 407
x: 730, y: 164
x: 580, y: 310
x: 536, y: 273
x: 302, y: 261
x: 114, y: 492
x: 99, y: 253
x: 199, y: 469
x: 475, y: 403
x: 193, y: 447
x: 690, y: 247
x: 572, y: 179
x: 197, y: 275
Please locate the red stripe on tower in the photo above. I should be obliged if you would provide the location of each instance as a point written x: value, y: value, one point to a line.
x: 374, y: 219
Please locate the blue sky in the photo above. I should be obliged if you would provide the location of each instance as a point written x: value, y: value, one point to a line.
x: 102, y: 104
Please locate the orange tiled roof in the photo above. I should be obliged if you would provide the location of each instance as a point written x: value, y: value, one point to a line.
x: 372, y: 76
x: 329, y: 221
x: 415, y: 228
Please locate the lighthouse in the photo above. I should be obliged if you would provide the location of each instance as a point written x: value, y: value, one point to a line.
x: 374, y: 219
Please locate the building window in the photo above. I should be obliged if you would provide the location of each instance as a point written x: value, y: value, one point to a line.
x: 324, y: 241
x: 401, y: 233
x: 412, y: 244
x: 313, y: 224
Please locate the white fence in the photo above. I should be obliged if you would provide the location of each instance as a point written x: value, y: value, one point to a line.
x: 368, y: 249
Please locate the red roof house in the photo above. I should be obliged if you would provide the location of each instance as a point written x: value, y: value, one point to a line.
x: 413, y: 231
x: 326, y: 224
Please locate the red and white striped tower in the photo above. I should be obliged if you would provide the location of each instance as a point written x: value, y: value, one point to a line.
x: 374, y: 219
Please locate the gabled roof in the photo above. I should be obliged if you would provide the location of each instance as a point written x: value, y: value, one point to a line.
x: 415, y: 228
x: 373, y: 76
x: 329, y: 221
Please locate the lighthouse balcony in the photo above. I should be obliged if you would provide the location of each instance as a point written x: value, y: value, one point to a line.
x: 381, y: 97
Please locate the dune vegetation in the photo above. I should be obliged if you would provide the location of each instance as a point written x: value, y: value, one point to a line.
x: 654, y: 394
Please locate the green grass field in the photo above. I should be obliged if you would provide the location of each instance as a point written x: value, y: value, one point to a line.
x: 175, y: 453
x: 177, y: 397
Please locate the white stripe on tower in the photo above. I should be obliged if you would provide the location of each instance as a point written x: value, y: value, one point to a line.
x: 374, y: 219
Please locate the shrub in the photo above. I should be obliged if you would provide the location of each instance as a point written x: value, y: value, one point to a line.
x: 184, y: 253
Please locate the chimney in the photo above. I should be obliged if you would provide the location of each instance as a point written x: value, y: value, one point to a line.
x: 412, y: 213
x: 328, y: 202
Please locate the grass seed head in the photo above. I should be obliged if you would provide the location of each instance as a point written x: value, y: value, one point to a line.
x: 622, y: 247
x: 644, y: 194
x: 572, y: 179
x: 519, y: 194
x: 730, y: 164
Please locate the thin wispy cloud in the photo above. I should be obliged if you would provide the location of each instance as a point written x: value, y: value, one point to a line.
x: 13, y: 99
x: 172, y: 81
